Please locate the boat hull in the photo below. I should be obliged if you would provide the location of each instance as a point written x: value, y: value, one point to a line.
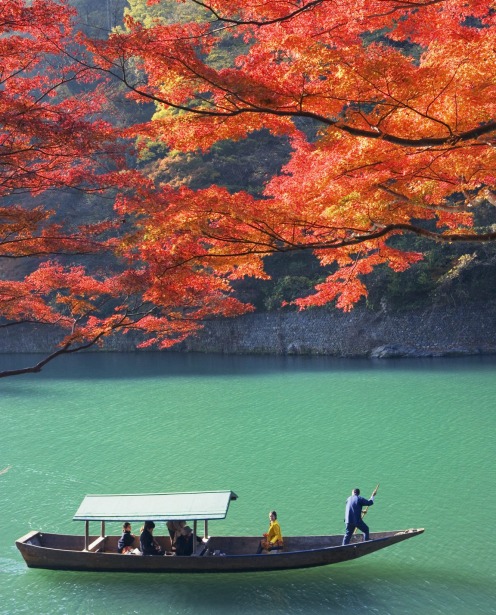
x: 219, y: 554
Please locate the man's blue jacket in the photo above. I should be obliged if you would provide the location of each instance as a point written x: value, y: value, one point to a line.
x: 354, y: 505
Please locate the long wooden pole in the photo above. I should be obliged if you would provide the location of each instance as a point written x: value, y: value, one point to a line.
x: 364, y: 511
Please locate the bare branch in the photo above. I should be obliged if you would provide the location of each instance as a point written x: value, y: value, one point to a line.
x: 254, y: 22
x: 41, y: 364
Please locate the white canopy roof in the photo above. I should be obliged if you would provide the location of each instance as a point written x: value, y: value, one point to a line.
x: 196, y: 505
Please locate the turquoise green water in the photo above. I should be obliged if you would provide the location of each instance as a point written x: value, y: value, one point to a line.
x: 294, y: 434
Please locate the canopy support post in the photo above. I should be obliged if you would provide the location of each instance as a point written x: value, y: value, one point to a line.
x: 86, y: 534
x: 205, y: 529
x: 102, y: 532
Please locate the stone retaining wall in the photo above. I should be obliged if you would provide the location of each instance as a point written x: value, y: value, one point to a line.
x: 437, y: 331
x: 433, y: 332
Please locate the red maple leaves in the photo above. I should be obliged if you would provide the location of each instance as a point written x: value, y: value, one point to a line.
x: 401, y: 101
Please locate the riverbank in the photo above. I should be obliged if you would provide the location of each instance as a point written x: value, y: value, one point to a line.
x: 435, y: 331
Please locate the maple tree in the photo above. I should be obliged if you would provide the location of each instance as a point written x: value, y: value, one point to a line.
x: 50, y: 140
x: 388, y: 106
x: 54, y: 138
x: 401, y: 96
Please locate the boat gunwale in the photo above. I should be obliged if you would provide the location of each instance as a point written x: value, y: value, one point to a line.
x: 393, y: 534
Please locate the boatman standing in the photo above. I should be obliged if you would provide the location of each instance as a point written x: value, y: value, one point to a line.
x: 353, y: 515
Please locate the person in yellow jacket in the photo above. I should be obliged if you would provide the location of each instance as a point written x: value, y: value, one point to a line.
x: 272, y: 540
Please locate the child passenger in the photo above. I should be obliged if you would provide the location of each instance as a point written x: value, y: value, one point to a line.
x: 126, y: 540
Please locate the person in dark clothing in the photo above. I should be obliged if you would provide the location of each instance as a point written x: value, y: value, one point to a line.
x: 184, y: 542
x: 353, y: 515
x: 126, y: 540
x: 175, y: 528
x: 148, y: 544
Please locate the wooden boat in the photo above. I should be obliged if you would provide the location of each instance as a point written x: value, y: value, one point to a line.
x: 213, y: 554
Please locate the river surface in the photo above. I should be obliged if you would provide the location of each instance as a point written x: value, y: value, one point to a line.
x: 291, y: 434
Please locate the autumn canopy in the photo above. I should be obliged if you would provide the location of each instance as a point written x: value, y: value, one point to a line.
x: 388, y: 106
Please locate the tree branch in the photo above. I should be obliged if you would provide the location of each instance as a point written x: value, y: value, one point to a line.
x: 254, y: 22
x: 39, y: 366
x: 449, y: 140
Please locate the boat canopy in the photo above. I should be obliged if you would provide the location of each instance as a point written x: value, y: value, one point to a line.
x: 191, y: 506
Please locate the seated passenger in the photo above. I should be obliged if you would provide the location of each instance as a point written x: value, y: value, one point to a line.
x: 272, y: 540
x: 126, y: 540
x: 148, y: 544
x: 175, y: 528
x: 184, y: 542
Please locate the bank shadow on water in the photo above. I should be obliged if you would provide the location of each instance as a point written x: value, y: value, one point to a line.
x: 116, y: 365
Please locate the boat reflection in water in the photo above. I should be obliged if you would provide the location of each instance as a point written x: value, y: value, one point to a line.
x: 213, y: 554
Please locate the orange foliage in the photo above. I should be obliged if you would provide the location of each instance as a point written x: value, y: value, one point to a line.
x: 402, y: 94
x: 402, y: 99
